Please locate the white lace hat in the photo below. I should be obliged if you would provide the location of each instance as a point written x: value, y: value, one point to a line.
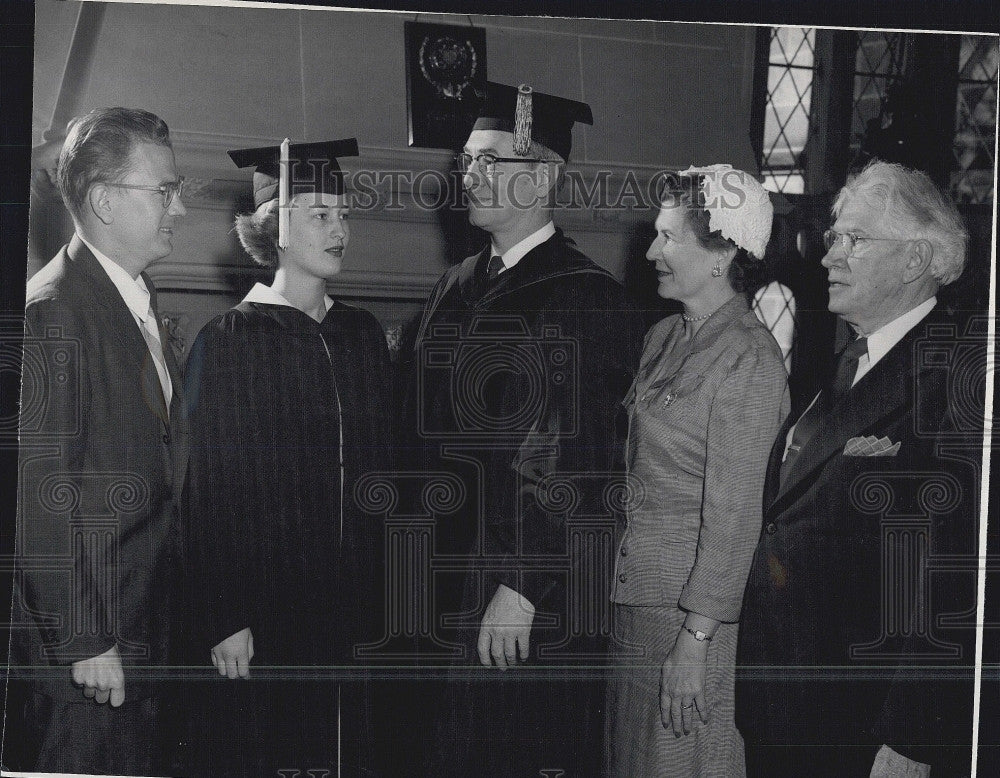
x: 738, y: 206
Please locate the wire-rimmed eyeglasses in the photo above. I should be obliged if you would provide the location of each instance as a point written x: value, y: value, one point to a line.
x: 849, y: 240
x: 169, y: 190
x: 487, y: 162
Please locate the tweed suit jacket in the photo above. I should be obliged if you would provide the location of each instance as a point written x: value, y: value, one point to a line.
x: 102, y: 466
x: 701, y: 424
x: 852, y: 628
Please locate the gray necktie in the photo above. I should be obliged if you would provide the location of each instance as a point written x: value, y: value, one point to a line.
x: 151, y: 334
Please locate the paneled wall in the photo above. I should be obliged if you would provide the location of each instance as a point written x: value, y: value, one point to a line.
x: 663, y: 96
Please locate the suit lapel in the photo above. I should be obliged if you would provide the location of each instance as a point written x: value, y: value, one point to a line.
x: 880, y: 393
x: 772, y: 480
x: 123, y: 324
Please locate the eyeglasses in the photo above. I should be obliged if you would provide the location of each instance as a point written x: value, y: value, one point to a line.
x: 848, y: 240
x: 169, y: 190
x: 487, y: 162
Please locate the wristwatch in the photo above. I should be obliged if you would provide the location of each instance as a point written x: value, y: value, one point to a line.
x: 697, y: 634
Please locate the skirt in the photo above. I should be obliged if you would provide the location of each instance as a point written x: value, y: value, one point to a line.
x: 636, y: 743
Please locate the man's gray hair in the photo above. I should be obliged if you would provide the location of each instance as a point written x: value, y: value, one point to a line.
x: 912, y: 207
x: 547, y: 155
x: 540, y: 151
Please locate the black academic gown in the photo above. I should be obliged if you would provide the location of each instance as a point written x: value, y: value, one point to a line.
x: 516, y: 396
x: 289, y: 414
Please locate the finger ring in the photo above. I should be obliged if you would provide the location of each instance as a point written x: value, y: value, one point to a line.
x: 688, y: 706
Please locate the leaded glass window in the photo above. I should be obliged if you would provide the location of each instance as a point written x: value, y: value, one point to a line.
x: 786, y: 120
x: 975, y: 120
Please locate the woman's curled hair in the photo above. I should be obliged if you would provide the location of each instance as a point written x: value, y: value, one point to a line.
x: 258, y: 233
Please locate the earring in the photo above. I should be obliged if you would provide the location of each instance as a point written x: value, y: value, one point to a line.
x: 717, y: 270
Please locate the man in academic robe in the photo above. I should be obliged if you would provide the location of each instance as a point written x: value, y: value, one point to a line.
x: 523, y: 354
x: 102, y: 462
x: 857, y: 634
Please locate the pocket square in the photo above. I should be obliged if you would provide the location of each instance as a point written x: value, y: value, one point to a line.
x: 870, y: 446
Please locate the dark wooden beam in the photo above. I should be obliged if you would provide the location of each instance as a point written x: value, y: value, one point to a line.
x: 758, y: 104
x: 830, y: 113
x: 933, y: 69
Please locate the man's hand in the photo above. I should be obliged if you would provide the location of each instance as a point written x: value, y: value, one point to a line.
x: 891, y: 764
x: 232, y: 656
x: 101, y: 677
x: 506, y: 629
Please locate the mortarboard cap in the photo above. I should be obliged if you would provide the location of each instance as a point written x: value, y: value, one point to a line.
x: 313, y: 167
x: 531, y: 115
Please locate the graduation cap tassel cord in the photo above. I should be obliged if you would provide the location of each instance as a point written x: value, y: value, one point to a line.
x: 522, y: 121
x: 283, y: 196
x: 532, y: 116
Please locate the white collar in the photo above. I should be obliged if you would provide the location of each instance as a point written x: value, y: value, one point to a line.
x: 516, y: 253
x: 888, y: 335
x: 133, y: 290
x: 267, y: 296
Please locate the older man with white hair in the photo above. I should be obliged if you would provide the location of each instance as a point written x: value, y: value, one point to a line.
x: 853, y: 659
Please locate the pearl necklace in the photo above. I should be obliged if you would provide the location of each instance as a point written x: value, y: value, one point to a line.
x: 691, y: 319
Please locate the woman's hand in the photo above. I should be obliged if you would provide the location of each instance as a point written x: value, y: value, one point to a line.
x: 682, y: 684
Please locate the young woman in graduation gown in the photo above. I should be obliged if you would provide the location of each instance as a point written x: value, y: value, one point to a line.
x: 290, y: 403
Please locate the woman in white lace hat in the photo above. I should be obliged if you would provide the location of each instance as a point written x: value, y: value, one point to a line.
x: 703, y: 412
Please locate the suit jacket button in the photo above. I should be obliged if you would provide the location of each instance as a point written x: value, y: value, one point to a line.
x: 166, y: 439
x: 771, y: 528
x: 624, y: 551
x: 621, y: 577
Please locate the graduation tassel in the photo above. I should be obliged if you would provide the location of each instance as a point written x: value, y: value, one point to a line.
x: 522, y: 121
x: 283, y: 201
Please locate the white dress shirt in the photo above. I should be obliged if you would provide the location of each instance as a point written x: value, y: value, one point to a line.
x: 888, y: 335
x: 516, y: 253
x: 136, y: 297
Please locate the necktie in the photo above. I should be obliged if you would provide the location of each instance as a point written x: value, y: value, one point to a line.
x: 805, y: 428
x: 151, y: 334
x: 494, y: 268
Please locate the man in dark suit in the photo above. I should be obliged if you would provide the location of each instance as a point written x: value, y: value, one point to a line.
x: 856, y: 649
x: 103, y: 452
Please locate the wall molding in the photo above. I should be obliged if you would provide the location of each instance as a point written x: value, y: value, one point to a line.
x: 211, y: 185
x: 188, y: 276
